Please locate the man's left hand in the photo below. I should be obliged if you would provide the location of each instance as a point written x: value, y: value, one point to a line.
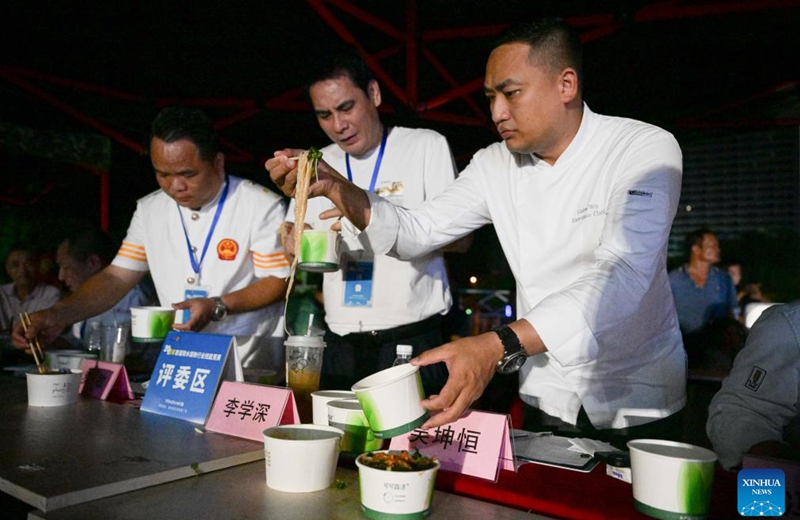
x: 201, y: 311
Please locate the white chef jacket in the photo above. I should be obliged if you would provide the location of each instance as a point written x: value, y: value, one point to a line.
x: 586, y: 240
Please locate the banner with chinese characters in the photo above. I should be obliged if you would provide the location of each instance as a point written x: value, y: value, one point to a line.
x: 247, y: 409
x: 187, y: 374
x: 477, y: 444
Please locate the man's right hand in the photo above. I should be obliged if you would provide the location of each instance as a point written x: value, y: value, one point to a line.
x: 351, y: 201
x: 43, y: 326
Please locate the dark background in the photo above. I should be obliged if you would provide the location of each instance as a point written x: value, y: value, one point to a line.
x: 107, y: 67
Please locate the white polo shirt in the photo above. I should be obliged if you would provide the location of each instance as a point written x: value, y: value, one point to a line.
x: 416, y: 165
x: 245, y: 246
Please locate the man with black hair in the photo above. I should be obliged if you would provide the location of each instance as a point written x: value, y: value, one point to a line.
x: 209, y: 240
x: 26, y: 292
x: 375, y: 302
x: 582, y: 204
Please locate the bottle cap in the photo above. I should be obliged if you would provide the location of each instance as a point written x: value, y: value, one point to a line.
x: 404, y: 350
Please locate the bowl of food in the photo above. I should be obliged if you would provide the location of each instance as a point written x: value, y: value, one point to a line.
x: 391, y: 400
x: 396, y: 484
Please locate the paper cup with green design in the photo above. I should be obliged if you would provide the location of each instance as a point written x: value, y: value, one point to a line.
x: 391, y: 400
x: 151, y: 323
x: 396, y: 484
x: 347, y: 415
x: 320, y: 400
x: 671, y: 480
x: 319, y: 251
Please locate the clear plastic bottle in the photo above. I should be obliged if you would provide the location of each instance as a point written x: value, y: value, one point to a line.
x: 404, y: 353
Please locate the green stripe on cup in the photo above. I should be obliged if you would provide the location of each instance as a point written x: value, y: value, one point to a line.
x: 664, y: 515
x: 377, y: 515
x: 400, y: 430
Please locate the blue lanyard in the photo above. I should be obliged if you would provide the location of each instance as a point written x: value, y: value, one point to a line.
x: 195, y: 264
x: 377, y: 163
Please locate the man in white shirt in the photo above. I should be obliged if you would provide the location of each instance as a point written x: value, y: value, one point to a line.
x: 397, y: 301
x: 209, y: 240
x: 582, y: 205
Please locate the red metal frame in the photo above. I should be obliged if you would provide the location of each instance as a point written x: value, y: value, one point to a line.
x: 414, y: 40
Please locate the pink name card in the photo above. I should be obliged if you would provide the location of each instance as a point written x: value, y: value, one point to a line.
x: 104, y: 380
x: 477, y: 444
x: 246, y: 410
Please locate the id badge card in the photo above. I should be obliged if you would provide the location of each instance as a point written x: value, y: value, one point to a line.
x: 191, y: 291
x: 358, y: 284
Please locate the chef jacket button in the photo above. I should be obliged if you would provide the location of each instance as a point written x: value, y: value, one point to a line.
x: 195, y: 216
x: 190, y: 280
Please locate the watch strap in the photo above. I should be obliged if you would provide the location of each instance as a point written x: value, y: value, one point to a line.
x: 510, y: 340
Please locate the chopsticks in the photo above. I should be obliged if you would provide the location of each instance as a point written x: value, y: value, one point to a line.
x: 33, y: 344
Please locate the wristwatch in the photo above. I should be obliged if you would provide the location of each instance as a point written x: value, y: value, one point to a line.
x: 220, y: 309
x: 514, y: 355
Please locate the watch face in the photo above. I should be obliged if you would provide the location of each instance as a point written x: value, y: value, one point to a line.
x: 512, y: 364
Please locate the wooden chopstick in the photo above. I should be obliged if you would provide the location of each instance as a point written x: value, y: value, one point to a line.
x: 36, y: 348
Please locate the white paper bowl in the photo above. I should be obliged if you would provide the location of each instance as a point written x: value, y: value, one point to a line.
x: 395, y: 494
x: 320, y: 400
x: 151, y: 323
x: 347, y: 415
x: 391, y: 400
x: 301, y: 458
x: 671, y: 479
x: 54, y: 388
x: 69, y: 359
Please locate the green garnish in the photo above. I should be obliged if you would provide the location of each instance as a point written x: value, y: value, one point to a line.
x: 314, y: 154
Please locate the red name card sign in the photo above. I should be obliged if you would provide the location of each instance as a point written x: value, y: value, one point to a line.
x: 247, y: 409
x: 477, y: 444
x: 104, y: 380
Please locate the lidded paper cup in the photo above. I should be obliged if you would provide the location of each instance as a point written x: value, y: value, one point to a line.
x: 151, y: 323
x: 347, y: 415
x: 301, y: 457
x: 320, y: 400
x: 53, y: 388
x: 671, y: 479
x: 395, y: 494
x: 391, y: 400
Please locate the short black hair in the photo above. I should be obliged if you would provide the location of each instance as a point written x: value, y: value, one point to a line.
x: 336, y: 63
x: 695, y: 238
x: 554, y: 43
x: 177, y: 123
x: 87, y: 241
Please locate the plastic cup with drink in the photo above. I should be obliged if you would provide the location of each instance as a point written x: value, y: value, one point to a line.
x: 303, y: 367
